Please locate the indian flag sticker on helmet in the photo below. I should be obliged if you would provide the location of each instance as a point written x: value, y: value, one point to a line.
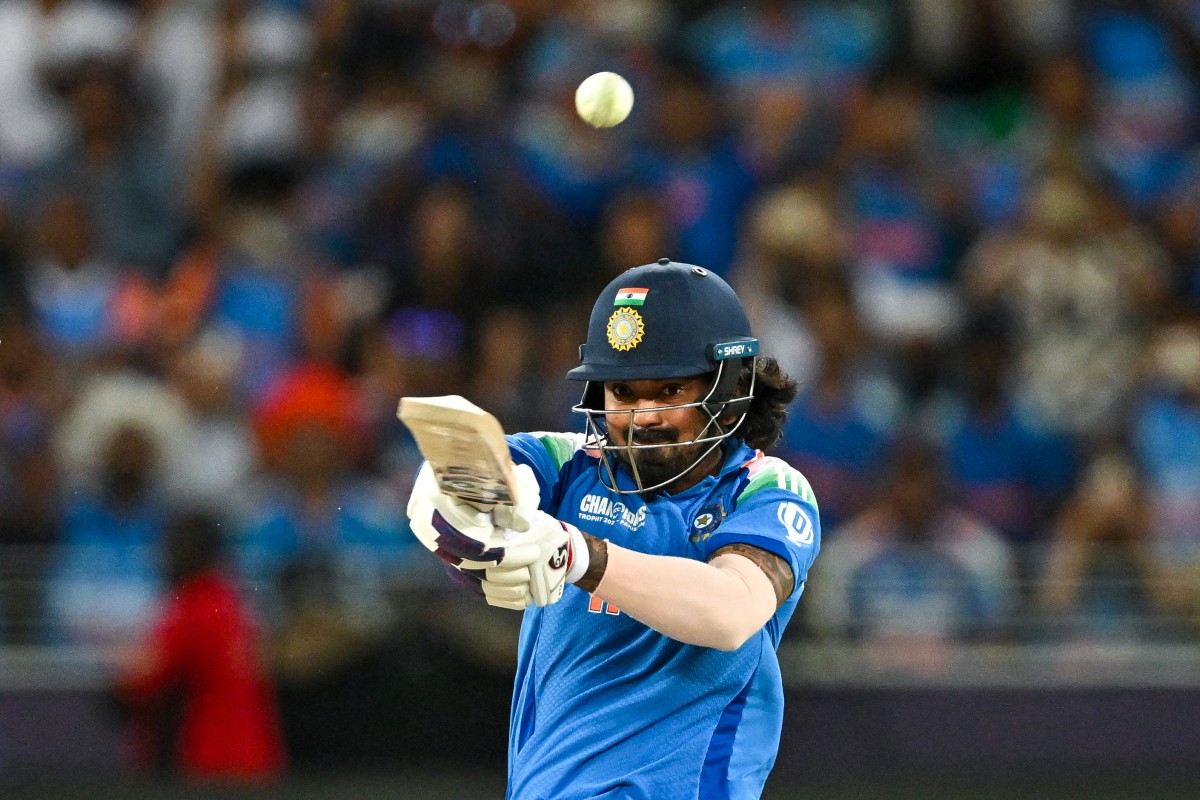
x: 632, y: 296
x: 625, y: 329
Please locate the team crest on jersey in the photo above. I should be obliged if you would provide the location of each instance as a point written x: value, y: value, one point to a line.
x: 625, y: 329
x: 707, y: 521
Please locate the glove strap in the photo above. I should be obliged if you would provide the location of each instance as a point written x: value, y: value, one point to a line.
x: 579, y: 558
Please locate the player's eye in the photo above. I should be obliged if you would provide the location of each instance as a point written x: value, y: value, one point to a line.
x: 672, y: 390
x: 619, y: 391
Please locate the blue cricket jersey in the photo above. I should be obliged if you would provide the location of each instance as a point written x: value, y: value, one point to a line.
x: 606, y: 707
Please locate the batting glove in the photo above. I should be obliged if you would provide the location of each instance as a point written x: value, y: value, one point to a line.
x: 516, y: 556
x: 537, y: 564
x: 452, y: 529
x: 542, y: 554
x: 520, y: 516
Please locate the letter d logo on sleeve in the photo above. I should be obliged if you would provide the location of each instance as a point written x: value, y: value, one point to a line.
x: 796, y: 521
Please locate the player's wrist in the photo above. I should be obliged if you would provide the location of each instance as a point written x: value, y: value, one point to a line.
x: 580, y: 558
x: 597, y: 562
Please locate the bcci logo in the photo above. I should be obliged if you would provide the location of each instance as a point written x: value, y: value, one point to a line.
x: 707, y: 521
x: 625, y: 329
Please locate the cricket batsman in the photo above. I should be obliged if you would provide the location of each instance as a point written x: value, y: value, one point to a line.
x: 657, y: 557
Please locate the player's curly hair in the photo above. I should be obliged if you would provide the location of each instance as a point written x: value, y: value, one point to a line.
x: 774, y: 392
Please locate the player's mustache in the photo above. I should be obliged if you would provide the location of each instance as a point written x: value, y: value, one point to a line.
x: 653, y: 435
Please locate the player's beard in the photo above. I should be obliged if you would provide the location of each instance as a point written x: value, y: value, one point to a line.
x: 659, y: 465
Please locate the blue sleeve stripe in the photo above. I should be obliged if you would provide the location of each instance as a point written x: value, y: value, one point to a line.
x: 714, y: 778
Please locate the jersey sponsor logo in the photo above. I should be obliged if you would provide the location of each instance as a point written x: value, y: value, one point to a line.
x: 795, y: 520
x: 599, y: 508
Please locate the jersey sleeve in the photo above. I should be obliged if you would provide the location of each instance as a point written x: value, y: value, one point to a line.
x: 775, y: 510
x: 547, y: 454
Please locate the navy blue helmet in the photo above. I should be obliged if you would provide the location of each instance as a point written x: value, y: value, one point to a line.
x: 663, y: 320
x: 666, y: 320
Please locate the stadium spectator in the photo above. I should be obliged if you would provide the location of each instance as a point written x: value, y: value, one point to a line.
x: 1081, y: 283
x: 829, y: 48
x: 30, y: 396
x: 448, y: 260
x: 691, y: 159
x: 1061, y: 127
x: 217, y: 456
x: 913, y: 574
x: 894, y: 203
x: 116, y: 447
x: 1145, y: 99
x: 179, y: 56
x: 196, y: 689
x: 320, y: 536
x: 1103, y: 580
x: 963, y: 46
x: 837, y: 429
x: 791, y: 246
x: 1004, y: 470
x: 1166, y: 441
x: 117, y: 167
x: 37, y: 39
x: 84, y: 304
x: 635, y: 227
x: 251, y: 275
x: 1178, y: 229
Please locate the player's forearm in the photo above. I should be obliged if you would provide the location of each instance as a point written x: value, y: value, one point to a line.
x: 719, y: 604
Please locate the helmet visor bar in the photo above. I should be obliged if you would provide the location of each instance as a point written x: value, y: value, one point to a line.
x: 713, y: 405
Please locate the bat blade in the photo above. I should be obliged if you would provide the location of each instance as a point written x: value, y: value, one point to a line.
x: 464, y: 445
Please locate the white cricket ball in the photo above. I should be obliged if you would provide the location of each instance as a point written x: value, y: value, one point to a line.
x: 604, y: 99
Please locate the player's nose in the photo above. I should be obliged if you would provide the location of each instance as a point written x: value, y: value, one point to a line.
x: 647, y: 414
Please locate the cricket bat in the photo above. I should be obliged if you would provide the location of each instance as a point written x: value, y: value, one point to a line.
x: 465, y: 446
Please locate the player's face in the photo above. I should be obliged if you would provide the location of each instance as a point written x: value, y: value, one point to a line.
x: 652, y: 422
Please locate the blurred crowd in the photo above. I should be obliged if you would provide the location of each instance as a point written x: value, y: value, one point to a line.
x: 234, y: 232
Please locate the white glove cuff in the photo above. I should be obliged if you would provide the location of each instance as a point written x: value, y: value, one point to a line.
x: 580, y: 559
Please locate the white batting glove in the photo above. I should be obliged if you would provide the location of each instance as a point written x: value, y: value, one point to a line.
x: 516, y: 556
x: 537, y: 564
x: 452, y: 529
x: 519, y: 517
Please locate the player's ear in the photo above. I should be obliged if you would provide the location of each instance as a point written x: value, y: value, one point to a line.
x: 734, y: 408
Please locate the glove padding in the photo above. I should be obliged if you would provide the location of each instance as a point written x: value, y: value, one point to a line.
x: 454, y: 530
x: 542, y: 554
x: 517, y: 555
x: 461, y: 534
x: 538, y: 564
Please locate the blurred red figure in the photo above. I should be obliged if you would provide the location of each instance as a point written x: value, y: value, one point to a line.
x: 200, y: 699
